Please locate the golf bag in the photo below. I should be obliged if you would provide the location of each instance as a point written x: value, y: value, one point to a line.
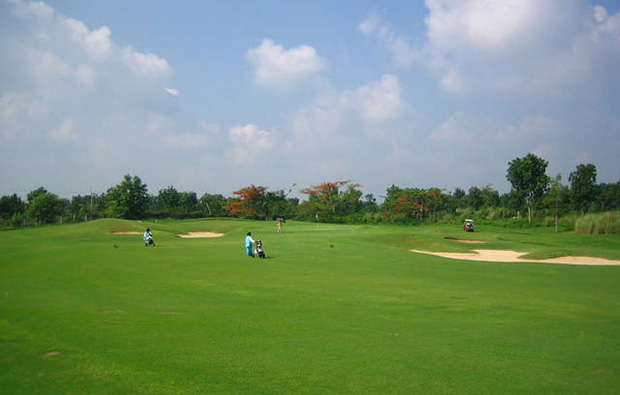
x: 259, y: 249
x: 148, y: 240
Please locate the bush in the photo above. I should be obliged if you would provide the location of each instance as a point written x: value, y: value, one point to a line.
x: 599, y: 224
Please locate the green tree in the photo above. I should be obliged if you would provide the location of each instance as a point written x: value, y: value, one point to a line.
x: 608, y: 197
x: 331, y: 200
x: 128, y: 199
x: 44, y: 207
x: 168, y: 200
x: 529, y: 181
x: 188, y: 203
x: 555, y: 200
x: 475, y: 198
x: 583, y: 187
x: 12, y: 209
x: 212, y: 205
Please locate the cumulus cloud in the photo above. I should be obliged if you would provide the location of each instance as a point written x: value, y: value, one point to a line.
x: 519, y: 46
x: 376, y: 101
x: 96, y: 42
x: 403, y: 51
x: 71, y: 85
x: 250, y: 143
x: 276, y: 65
x: 145, y: 64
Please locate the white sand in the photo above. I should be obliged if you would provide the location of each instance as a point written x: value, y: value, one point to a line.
x: 514, y: 256
x: 199, y: 235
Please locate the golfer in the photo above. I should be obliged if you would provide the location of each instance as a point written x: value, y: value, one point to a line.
x: 248, y: 244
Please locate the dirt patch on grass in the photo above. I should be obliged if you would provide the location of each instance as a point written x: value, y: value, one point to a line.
x: 126, y: 233
x: 515, y: 256
x: 51, y: 354
x: 200, y: 235
x: 465, y: 240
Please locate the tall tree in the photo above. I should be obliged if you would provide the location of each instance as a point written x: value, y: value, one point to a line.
x: 583, y: 187
x: 529, y: 181
x: 128, y: 199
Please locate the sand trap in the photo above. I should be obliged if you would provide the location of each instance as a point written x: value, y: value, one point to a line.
x: 465, y: 240
x: 126, y: 233
x: 198, y: 235
x: 514, y: 256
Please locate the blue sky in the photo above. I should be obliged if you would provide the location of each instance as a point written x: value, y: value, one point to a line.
x: 212, y: 96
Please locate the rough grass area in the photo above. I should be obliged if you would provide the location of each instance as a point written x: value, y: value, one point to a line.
x: 599, y: 224
x: 332, y: 310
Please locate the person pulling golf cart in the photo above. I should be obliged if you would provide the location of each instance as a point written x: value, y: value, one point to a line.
x: 468, y: 226
x: 148, y: 238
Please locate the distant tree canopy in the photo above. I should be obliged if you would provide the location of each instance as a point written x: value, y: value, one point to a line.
x: 255, y: 202
x: 334, y: 201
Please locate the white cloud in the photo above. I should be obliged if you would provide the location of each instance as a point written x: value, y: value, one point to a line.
x: 172, y: 91
x: 145, y: 64
x: 403, y: 51
x: 520, y: 46
x: 96, y: 42
x: 377, y: 101
x: 18, y: 112
x: 39, y: 10
x: 66, y: 131
x: 276, y: 65
x: 250, y: 143
x: 482, y: 23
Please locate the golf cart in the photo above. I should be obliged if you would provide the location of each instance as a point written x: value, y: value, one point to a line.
x: 468, y: 226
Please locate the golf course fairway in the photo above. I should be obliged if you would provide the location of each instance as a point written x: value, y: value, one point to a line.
x: 333, y: 309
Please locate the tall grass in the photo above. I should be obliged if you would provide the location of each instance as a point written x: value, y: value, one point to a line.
x: 599, y: 224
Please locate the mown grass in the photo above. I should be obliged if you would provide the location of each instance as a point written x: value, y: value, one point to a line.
x: 333, y: 310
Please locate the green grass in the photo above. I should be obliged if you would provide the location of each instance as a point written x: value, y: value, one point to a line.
x: 333, y: 310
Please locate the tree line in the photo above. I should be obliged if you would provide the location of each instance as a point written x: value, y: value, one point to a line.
x: 534, y: 196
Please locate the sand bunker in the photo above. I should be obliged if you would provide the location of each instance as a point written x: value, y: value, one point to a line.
x: 126, y: 233
x: 198, y: 235
x: 514, y: 256
x: 465, y: 240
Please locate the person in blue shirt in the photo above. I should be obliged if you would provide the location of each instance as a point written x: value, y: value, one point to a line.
x: 248, y: 244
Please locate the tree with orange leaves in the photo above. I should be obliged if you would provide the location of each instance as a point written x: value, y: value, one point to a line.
x: 255, y: 202
x: 249, y: 203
